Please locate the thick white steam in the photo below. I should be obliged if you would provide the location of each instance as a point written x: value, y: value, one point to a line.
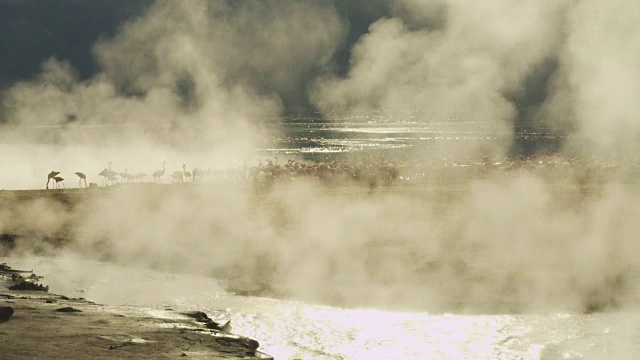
x: 462, y: 70
x: 203, y: 77
x: 596, y: 91
x: 198, y: 76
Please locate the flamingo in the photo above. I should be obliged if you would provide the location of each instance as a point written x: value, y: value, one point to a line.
x: 108, y: 175
x: 158, y: 173
x: 178, y: 176
x: 82, y: 177
x: 196, y: 172
x: 59, y: 181
x: 51, y: 176
x: 185, y: 173
x: 125, y: 175
x: 104, y: 173
x: 113, y: 175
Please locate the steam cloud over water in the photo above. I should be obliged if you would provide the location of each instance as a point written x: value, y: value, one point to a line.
x: 461, y: 68
x: 186, y: 75
x: 205, y: 80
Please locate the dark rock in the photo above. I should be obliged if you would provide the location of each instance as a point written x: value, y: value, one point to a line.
x: 240, y: 341
x: 207, y: 321
x: 27, y: 285
x: 34, y: 277
x: 6, y: 312
x: 111, y: 347
x: 68, y: 309
x: 4, y: 268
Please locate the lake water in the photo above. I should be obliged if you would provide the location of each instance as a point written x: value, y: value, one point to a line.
x: 393, y: 139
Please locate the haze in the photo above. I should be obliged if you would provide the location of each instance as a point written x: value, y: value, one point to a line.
x: 209, y: 82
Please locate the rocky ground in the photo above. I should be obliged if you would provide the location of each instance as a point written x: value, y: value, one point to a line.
x: 35, y: 324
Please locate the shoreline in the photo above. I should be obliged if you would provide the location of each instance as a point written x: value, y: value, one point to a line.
x: 44, y: 325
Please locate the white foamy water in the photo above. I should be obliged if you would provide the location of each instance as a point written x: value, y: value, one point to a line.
x: 295, y: 330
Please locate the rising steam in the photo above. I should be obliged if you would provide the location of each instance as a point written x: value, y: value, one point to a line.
x: 196, y: 76
x: 202, y: 79
x: 447, y: 61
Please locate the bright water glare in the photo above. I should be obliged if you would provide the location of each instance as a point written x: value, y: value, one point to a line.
x: 294, y: 330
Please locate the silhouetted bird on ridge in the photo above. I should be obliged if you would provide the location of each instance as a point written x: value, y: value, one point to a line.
x: 51, y: 176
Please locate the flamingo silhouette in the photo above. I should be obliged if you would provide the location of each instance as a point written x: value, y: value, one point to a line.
x: 177, y: 176
x: 82, y: 177
x: 185, y: 173
x: 59, y: 180
x: 108, y: 175
x: 125, y: 175
x: 51, y: 176
x: 196, y: 172
x: 140, y: 176
x: 158, y: 173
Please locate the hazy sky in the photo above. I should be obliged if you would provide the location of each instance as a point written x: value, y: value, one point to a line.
x: 32, y: 31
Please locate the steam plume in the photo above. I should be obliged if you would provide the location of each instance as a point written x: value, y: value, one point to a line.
x: 447, y: 61
x: 521, y: 241
x: 198, y: 74
x: 595, y: 89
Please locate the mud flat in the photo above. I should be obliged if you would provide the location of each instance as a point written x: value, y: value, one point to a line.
x: 39, y: 325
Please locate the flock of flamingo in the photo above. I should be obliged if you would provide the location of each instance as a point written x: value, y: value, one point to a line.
x: 110, y: 177
x: 383, y: 172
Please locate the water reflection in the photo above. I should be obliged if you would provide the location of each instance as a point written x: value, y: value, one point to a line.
x: 385, y: 137
x: 365, y: 334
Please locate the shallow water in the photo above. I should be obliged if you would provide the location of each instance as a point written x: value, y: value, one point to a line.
x: 295, y: 330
